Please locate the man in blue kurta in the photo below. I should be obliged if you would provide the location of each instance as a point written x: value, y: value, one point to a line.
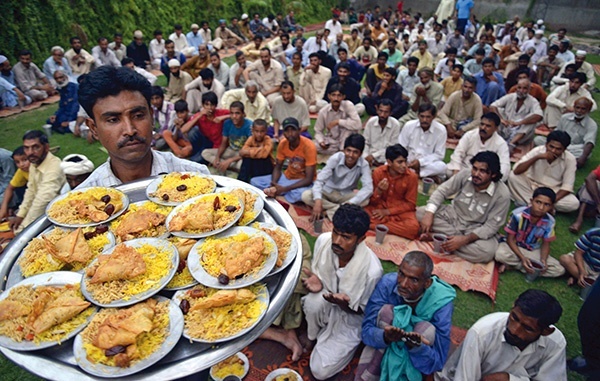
x: 490, y: 84
x: 68, y: 106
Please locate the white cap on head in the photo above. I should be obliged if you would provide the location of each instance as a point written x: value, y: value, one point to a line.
x: 539, y: 32
x: 188, y: 52
x: 581, y: 53
x: 173, y: 63
x: 244, y: 16
x: 3, y: 59
x: 540, y: 22
x: 81, y: 167
x: 194, y: 26
x: 138, y: 34
x: 54, y: 48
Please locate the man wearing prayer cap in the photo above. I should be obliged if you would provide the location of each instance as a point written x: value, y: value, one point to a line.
x: 178, y: 79
x: 77, y: 168
x: 9, y: 93
x: 138, y: 50
x: 582, y: 67
x: 194, y: 38
x: 227, y: 35
x: 538, y: 43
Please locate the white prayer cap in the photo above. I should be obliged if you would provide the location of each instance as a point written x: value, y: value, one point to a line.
x: 3, y: 59
x: 72, y: 168
x: 174, y: 63
x: 244, y: 16
x: 188, y: 52
x: 540, y: 22
x: 54, y: 48
x: 138, y: 34
x: 540, y: 32
x: 581, y: 53
x: 194, y: 26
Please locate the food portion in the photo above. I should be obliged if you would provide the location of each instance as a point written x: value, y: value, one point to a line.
x: 120, y: 337
x: 207, y: 213
x: 128, y: 271
x: 289, y: 376
x: 88, y: 206
x: 145, y: 219
x: 283, y: 240
x: 249, y: 199
x: 179, y: 187
x: 212, y: 314
x: 62, y: 249
x: 232, y: 366
x: 44, y: 313
x: 182, y: 277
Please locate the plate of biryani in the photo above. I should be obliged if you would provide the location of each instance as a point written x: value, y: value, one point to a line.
x: 237, y: 365
x: 58, y: 248
x: 283, y: 374
x: 236, y: 258
x: 205, y: 215
x: 253, y: 202
x: 142, y: 219
x: 177, y: 187
x: 287, y: 248
x: 122, y: 341
x: 214, y: 316
x: 87, y: 207
x: 130, y: 272
x: 43, y: 311
x: 183, y: 278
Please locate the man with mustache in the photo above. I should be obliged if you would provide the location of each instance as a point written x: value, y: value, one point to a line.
x: 46, y: 178
x: 343, y: 274
x: 522, y: 344
x: 462, y: 111
x: 118, y: 103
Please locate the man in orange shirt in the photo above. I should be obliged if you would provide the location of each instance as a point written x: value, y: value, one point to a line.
x: 301, y: 154
x: 394, y: 199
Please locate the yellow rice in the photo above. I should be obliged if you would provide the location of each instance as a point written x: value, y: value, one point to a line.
x: 249, y: 199
x: 181, y: 279
x: 36, y: 259
x: 64, y: 213
x: 158, y: 264
x: 221, y: 322
x: 195, y: 186
x: 229, y: 366
x: 221, y: 216
x: 156, y: 231
x: 282, y: 239
x: 147, y: 342
x: 17, y: 329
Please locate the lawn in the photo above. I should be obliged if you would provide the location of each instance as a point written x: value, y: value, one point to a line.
x: 469, y: 306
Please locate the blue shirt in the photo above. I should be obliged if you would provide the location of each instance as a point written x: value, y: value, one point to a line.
x: 589, y: 243
x: 50, y: 66
x: 194, y: 41
x: 464, y: 8
x: 357, y: 71
x: 237, y: 135
x: 7, y: 93
x: 530, y: 236
x: 290, y: 52
x: 427, y: 359
x: 483, y: 85
x: 68, y: 106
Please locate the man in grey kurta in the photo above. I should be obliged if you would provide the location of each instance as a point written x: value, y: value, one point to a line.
x: 473, y: 218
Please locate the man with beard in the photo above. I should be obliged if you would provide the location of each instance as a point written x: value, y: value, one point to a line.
x: 46, y: 178
x: 138, y: 50
x: 255, y: 104
x: 427, y: 91
x: 68, y: 106
x: 194, y: 65
x: 236, y: 79
x: 170, y: 54
x: 10, y: 94
x: 30, y: 79
x: 473, y: 218
x: 178, y: 80
x: 350, y: 86
x: 462, y: 111
x: 520, y: 345
x: 581, y: 128
x: 102, y: 55
x: 522, y: 66
x: 289, y: 105
x: 118, y: 103
x: 267, y: 73
x: 203, y: 84
x: 343, y: 274
x: 562, y: 99
x: 56, y: 61
x: 381, y: 131
x: 80, y: 60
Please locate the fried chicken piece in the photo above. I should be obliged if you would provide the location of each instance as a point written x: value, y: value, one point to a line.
x: 71, y: 248
x: 123, y: 263
x: 136, y: 222
x: 225, y: 298
x: 123, y: 327
x: 57, y: 311
x: 241, y: 257
x: 91, y: 210
x: 184, y: 245
x: 10, y: 309
x: 199, y: 217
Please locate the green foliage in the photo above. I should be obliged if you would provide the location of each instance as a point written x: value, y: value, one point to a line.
x: 39, y: 25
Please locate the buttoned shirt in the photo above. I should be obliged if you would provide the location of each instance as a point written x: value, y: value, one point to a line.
x: 294, y: 75
x: 348, y: 120
x: 206, y: 35
x: 27, y: 78
x: 333, y: 49
x: 108, y: 58
x: 120, y: 52
x: 335, y: 27
x: 472, y: 67
x: 407, y: 81
x: 193, y: 40
x: 50, y: 66
x: 377, y: 139
x: 562, y: 97
x: 426, y: 146
x: 507, y: 107
x: 165, y: 116
x: 425, y: 59
x: 558, y: 175
x: 456, y: 42
x: 581, y: 131
x: 456, y: 109
x: 216, y: 87
x: 180, y: 41
x: 295, y: 109
x: 312, y: 46
x: 157, y: 49
x: 221, y: 74
x: 530, y: 235
x: 232, y: 73
x: 336, y: 176
x: 273, y: 76
x: 162, y: 163
x: 470, y: 145
x: 81, y: 65
x: 254, y: 110
x: 314, y: 84
x: 450, y: 86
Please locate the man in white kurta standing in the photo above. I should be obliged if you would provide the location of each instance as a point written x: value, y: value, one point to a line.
x: 343, y: 274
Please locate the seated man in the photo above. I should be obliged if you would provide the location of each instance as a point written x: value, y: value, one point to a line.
x: 561, y: 100
x: 519, y: 114
x: 255, y: 104
x: 490, y: 84
x: 204, y: 83
x: 313, y: 82
x: 102, y: 54
x: 334, y: 307
x: 80, y: 60
x: 357, y: 71
x: 484, y: 138
x: 523, y: 65
x: 454, y: 82
x: 409, y: 78
x: 473, y: 218
x: 589, y: 199
x: 410, y: 297
x: 582, y: 67
x: 163, y: 116
x: 387, y: 88
x: 267, y: 73
x: 46, y: 179
x: 257, y: 153
x: 220, y: 70
x: 462, y: 110
x: 128, y: 62
x: 236, y: 79
x: 375, y: 72
x: 335, y: 122
x: 77, y: 168
x: 425, y: 58
x: 229, y: 38
x: 549, y: 66
x: 425, y: 141
x: 582, y: 262
x: 427, y: 91
x: 520, y: 345
x: 394, y: 198
x: 337, y: 181
x: 350, y: 87
x: 30, y: 79
x: 381, y: 131
x: 168, y: 56
x: 535, y: 90
x: 530, y: 229
x: 475, y: 65
x: 178, y: 80
x: 68, y: 106
x: 56, y: 61
x: 551, y: 166
x: 196, y: 63
x: 177, y: 141
x: 301, y: 154
x: 289, y: 105
x: 236, y: 131
x: 365, y: 54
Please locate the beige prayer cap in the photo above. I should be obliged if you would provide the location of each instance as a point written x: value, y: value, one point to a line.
x: 174, y: 63
x: 581, y: 53
x: 138, y: 34
x: 540, y: 32
x: 244, y: 16
x: 194, y: 26
x: 55, y: 48
x: 81, y: 166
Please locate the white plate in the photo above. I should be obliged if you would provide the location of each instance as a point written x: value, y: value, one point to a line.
x: 135, y: 243
x: 191, y: 201
x: 242, y: 357
x: 291, y: 254
x: 202, y: 276
x: 259, y: 204
x: 101, y: 370
x: 262, y: 296
x: 280, y: 372
x: 153, y: 186
x: 57, y: 278
x: 117, y: 213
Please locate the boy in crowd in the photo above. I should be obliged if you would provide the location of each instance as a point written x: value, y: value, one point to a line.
x: 584, y: 262
x: 164, y: 117
x: 13, y: 195
x: 530, y: 230
x: 175, y: 139
x: 257, y: 153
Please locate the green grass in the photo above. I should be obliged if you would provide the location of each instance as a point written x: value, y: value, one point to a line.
x: 469, y: 306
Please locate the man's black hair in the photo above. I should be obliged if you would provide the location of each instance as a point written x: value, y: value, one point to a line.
x: 74, y: 38
x: 237, y: 104
x: 462, y: 70
x: 545, y: 191
x: 336, y: 87
x: 395, y: 151
x: 391, y: 71
x: 581, y: 76
x: 181, y: 106
x: 412, y: 59
x: 539, y: 305
x: 493, y: 117
x: 560, y: 136
x: 36, y: 134
x: 289, y: 84
x: 351, y: 219
x: 210, y: 97
x: 157, y: 91
x: 356, y: 141
x: 126, y: 60
x: 488, y: 60
x: 19, y: 151
x: 426, y: 106
x: 206, y: 73
x: 451, y: 50
x: 493, y: 162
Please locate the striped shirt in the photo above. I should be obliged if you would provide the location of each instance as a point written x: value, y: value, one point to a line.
x: 530, y: 235
x: 589, y: 243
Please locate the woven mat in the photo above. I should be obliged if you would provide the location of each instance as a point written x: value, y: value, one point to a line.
x: 16, y: 110
x: 451, y: 268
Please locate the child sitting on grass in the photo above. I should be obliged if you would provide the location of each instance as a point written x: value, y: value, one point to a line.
x: 530, y: 229
x: 175, y: 139
x: 584, y: 262
x: 257, y: 153
x: 13, y: 195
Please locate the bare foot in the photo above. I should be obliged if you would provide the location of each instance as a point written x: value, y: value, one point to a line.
x: 293, y: 344
x: 501, y: 268
x: 574, y: 228
x: 570, y: 281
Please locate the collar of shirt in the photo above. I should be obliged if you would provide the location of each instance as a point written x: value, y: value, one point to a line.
x: 571, y: 116
x: 44, y: 164
x: 489, y: 190
x: 527, y: 215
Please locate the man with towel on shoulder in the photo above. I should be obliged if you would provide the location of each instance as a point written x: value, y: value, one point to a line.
x: 343, y: 274
x: 77, y: 168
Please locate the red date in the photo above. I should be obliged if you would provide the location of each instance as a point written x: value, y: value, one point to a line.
x: 110, y: 209
x: 223, y: 279
x: 105, y: 199
x: 217, y: 204
x: 114, y: 350
x: 181, y: 187
x: 89, y: 235
x: 184, y: 306
x: 230, y: 208
x: 185, y: 176
x: 181, y: 266
x: 165, y: 197
x: 101, y: 229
